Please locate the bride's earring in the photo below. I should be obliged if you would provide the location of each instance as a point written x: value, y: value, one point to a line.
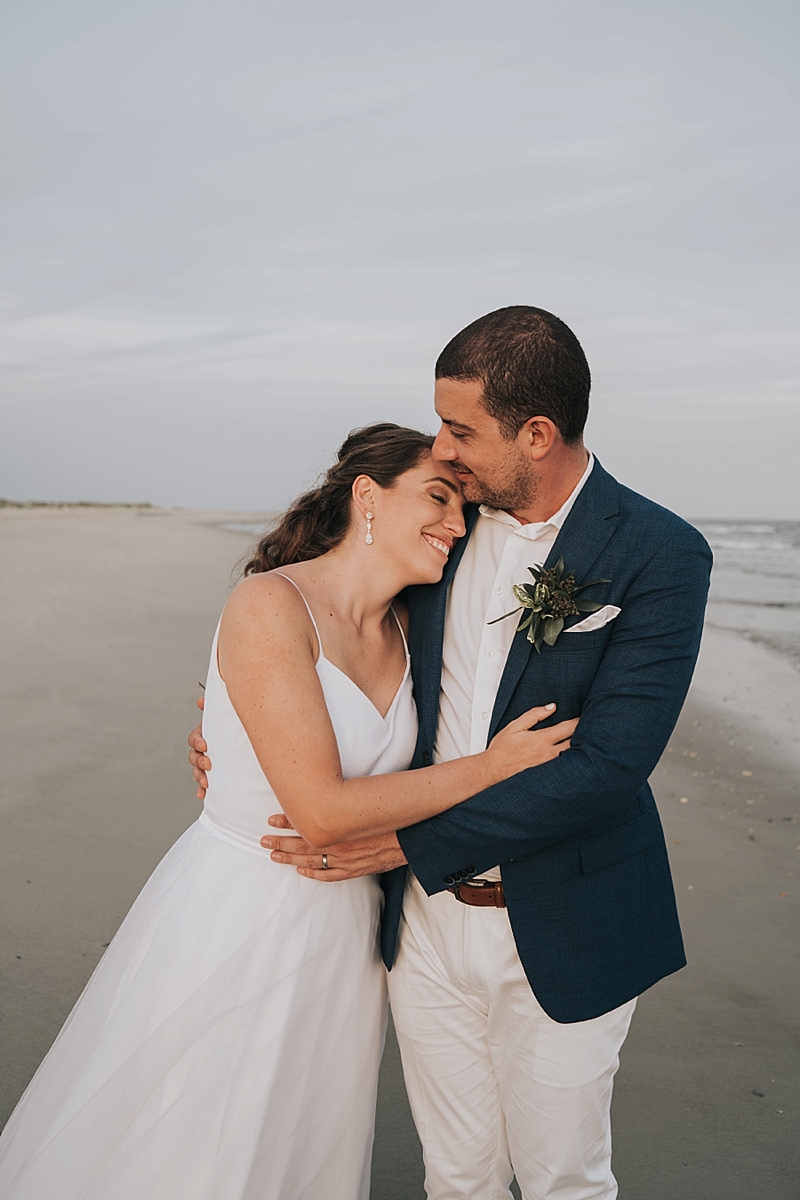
x: 369, y: 538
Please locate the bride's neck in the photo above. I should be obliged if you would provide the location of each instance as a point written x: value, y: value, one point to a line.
x: 354, y: 582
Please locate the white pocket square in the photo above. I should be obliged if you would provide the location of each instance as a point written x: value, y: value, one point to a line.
x: 596, y: 620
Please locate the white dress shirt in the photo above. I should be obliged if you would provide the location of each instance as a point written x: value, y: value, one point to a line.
x: 474, y: 652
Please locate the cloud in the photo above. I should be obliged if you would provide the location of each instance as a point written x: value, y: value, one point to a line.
x: 235, y: 230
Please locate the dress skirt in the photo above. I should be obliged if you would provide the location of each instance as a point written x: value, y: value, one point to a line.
x: 226, y: 1047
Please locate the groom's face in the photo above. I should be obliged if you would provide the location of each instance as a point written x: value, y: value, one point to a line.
x: 491, y: 468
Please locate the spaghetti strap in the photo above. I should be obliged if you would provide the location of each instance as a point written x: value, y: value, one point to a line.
x: 308, y: 608
x: 316, y: 627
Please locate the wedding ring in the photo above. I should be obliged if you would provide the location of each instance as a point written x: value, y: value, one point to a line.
x: 325, y: 862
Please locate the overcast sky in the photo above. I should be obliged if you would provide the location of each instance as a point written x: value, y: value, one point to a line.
x: 234, y: 230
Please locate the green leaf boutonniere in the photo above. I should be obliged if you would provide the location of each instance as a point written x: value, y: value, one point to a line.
x: 550, y: 599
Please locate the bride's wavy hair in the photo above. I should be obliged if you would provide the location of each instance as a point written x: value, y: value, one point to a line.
x: 318, y: 520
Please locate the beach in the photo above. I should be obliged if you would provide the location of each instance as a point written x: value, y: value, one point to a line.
x: 106, y: 617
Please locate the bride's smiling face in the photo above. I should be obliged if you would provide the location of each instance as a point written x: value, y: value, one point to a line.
x: 418, y: 520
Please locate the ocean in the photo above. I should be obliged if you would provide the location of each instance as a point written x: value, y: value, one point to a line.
x: 755, y: 585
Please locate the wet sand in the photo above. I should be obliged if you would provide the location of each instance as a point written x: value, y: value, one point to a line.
x: 106, y: 616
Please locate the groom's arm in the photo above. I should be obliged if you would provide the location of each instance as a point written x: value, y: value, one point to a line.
x: 629, y: 714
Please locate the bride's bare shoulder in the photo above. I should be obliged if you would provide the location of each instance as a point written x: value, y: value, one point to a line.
x: 266, y: 602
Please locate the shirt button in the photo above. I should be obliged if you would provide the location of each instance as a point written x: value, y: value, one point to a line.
x: 500, y: 591
x: 484, y: 715
x: 490, y: 653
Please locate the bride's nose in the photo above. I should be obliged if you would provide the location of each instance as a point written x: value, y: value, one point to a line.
x: 455, y: 524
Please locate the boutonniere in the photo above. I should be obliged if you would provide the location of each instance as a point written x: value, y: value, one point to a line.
x: 550, y: 599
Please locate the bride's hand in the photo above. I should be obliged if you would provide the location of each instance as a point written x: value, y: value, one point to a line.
x: 519, y: 746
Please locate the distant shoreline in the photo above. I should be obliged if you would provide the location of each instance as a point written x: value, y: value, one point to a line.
x: 74, y: 504
x: 6, y: 503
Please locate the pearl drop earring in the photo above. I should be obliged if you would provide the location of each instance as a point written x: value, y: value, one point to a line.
x: 369, y: 538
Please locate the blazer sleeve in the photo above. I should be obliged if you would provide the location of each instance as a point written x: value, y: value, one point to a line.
x: 630, y: 711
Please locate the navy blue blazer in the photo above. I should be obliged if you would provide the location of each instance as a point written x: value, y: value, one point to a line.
x: 578, y: 839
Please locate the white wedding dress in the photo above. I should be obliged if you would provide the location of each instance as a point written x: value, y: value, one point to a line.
x: 227, y: 1046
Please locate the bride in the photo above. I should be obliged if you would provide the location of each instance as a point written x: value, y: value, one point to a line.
x: 227, y: 1046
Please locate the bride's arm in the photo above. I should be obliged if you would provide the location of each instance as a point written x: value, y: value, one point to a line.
x: 266, y: 657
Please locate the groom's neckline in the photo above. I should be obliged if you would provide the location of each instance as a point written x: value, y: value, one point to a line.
x: 533, y: 529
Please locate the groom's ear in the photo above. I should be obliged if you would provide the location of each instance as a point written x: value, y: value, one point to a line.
x: 538, y: 437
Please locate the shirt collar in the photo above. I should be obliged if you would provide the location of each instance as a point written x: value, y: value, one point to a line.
x: 536, y: 529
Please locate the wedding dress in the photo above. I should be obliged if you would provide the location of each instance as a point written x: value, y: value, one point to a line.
x: 227, y: 1045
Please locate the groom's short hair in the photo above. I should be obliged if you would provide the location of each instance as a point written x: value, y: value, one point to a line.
x: 530, y: 364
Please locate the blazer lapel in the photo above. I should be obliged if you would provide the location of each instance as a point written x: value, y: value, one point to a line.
x: 428, y: 607
x: 581, y: 539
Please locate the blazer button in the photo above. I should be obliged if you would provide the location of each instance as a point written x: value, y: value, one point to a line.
x: 470, y: 870
x: 425, y: 756
x: 449, y: 880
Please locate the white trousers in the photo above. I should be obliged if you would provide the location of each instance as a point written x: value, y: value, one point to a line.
x: 497, y: 1088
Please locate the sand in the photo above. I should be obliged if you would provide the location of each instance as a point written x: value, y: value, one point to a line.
x: 105, y: 620
x: 708, y: 1096
x: 106, y: 616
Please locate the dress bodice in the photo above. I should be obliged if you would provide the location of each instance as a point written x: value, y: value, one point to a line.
x: 239, y: 798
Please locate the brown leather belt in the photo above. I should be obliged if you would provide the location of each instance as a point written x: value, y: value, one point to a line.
x: 482, y: 893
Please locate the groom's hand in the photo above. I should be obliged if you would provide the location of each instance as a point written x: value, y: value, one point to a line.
x: 348, y: 860
x: 200, y: 761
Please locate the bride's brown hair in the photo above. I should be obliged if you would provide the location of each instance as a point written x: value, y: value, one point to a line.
x: 318, y: 520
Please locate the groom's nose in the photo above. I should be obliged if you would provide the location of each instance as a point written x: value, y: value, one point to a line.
x: 443, y: 447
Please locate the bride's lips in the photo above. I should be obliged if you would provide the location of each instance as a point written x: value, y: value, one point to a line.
x: 438, y: 544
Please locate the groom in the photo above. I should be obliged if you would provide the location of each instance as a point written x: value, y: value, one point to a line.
x: 534, y: 913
